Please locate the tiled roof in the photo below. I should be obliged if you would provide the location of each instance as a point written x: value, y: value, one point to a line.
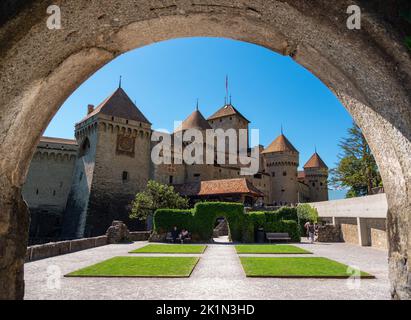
x: 280, y: 144
x: 194, y: 121
x: 219, y: 187
x: 315, y: 162
x: 301, y: 175
x: 58, y: 140
x: 227, y: 110
x: 119, y: 105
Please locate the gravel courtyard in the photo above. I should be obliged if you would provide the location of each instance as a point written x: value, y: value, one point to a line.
x: 219, y: 275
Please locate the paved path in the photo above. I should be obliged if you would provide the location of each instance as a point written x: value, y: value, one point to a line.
x: 218, y: 275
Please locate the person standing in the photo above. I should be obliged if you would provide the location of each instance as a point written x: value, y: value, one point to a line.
x: 311, y: 232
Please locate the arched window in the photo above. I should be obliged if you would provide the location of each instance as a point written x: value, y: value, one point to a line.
x: 125, y: 176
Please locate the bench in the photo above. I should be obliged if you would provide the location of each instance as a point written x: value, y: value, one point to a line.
x: 169, y: 238
x: 271, y: 236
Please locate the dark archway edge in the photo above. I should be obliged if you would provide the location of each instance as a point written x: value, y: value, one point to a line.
x: 368, y: 70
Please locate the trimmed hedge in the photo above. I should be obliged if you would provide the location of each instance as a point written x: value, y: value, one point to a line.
x: 282, y: 220
x: 166, y: 219
x: 200, y: 221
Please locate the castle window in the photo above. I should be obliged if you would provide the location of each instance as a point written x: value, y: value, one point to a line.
x: 125, y: 176
x: 54, y: 193
x: 313, y: 184
x: 126, y: 121
x: 321, y: 184
x: 37, y: 191
x: 197, y: 175
x: 171, y: 180
x: 285, y: 173
x: 112, y: 118
x: 273, y: 174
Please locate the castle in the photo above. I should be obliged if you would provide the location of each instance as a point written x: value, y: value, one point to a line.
x: 76, y: 188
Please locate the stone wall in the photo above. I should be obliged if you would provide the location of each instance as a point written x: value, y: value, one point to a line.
x: 349, y: 232
x: 329, y: 233
x: 48, y: 185
x: 361, y: 220
x: 140, y: 235
x: 64, y: 247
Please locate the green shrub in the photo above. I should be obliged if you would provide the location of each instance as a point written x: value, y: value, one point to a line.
x: 248, y: 229
x: 305, y: 214
x: 287, y: 213
x: 257, y: 219
x: 285, y: 226
x: 293, y: 229
x: 200, y: 221
x: 166, y: 219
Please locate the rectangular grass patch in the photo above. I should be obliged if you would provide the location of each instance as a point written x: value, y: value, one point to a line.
x: 299, y: 267
x: 270, y: 249
x: 171, y: 248
x: 167, y: 267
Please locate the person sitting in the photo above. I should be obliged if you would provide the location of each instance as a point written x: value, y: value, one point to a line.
x: 174, y: 234
x: 184, y: 235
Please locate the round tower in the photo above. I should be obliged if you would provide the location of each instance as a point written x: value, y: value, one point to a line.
x: 316, y: 177
x: 281, y: 162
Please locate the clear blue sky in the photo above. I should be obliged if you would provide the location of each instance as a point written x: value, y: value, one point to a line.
x: 165, y: 80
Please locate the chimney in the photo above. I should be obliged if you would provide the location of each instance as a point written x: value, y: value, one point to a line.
x: 90, y: 108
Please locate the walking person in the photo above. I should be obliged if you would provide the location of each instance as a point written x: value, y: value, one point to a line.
x: 306, y: 229
x: 311, y: 232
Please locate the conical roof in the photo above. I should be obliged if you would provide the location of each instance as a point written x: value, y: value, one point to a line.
x: 119, y: 105
x: 315, y: 162
x: 280, y: 144
x: 227, y: 110
x: 194, y: 121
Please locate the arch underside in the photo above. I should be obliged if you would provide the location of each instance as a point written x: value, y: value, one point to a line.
x: 368, y: 70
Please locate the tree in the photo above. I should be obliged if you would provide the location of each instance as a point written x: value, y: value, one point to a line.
x: 356, y: 169
x: 156, y: 196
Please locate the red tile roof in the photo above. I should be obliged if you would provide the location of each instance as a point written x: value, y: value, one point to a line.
x: 301, y: 175
x: 227, y: 110
x: 279, y: 145
x: 194, y: 121
x: 315, y: 162
x: 219, y: 187
x: 119, y: 105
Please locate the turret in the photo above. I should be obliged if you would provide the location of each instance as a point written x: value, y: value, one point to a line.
x: 281, y: 162
x: 316, y: 177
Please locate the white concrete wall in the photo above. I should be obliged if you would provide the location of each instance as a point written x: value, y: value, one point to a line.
x: 374, y: 206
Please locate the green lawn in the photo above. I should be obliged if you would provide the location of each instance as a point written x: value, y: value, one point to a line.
x: 270, y: 249
x: 173, y: 267
x: 171, y: 248
x: 296, y: 268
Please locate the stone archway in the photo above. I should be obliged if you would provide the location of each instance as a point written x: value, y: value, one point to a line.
x: 369, y: 71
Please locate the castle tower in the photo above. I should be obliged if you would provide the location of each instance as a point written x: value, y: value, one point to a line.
x: 281, y: 162
x: 196, y: 172
x: 316, y: 177
x: 113, y: 165
x: 228, y: 117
